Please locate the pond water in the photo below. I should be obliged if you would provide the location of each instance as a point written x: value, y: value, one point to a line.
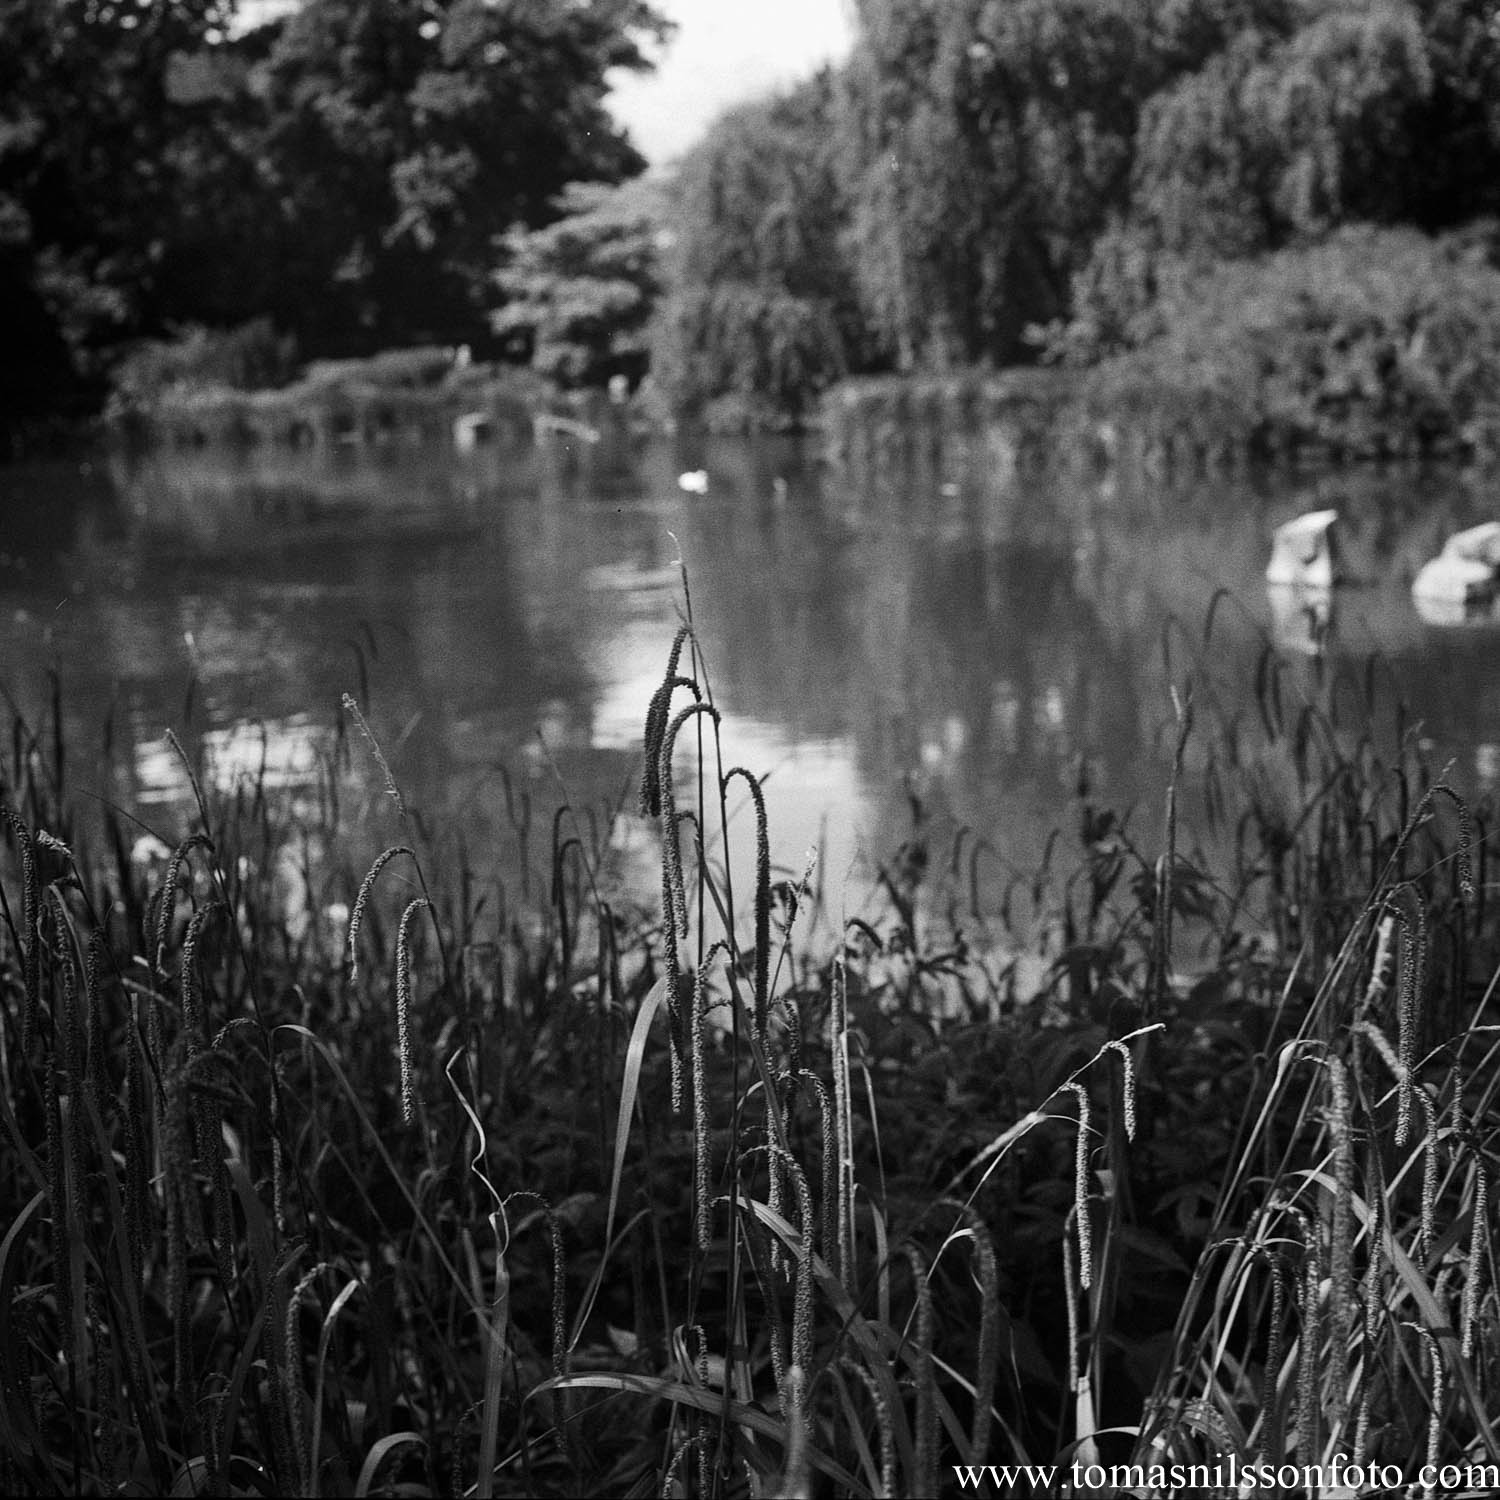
x: 503, y: 617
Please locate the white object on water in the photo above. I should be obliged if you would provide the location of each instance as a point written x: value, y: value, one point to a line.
x: 470, y: 430
x: 1302, y: 617
x: 1465, y: 572
x: 1304, y: 551
x: 547, y: 423
x: 1477, y: 609
x: 694, y: 482
x: 148, y: 850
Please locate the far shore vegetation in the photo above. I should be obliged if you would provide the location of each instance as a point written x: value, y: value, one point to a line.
x: 1282, y: 213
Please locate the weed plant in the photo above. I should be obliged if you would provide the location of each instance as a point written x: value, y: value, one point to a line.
x: 697, y: 1204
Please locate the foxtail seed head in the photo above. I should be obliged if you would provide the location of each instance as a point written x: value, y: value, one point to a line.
x: 403, y: 1006
x: 702, y: 1212
x: 925, y: 1478
x: 1413, y: 967
x: 366, y: 886
x: 762, y: 897
x: 1081, y: 1186
x: 167, y: 898
x: 1474, y: 1270
x: 30, y: 915
x: 1128, y: 1067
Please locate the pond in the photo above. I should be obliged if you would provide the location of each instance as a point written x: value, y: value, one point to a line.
x: 979, y: 642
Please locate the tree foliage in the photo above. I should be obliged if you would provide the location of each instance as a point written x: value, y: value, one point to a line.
x: 578, y: 293
x: 986, y: 144
x: 344, y: 171
x: 1056, y: 175
x: 96, y: 154
x: 1373, y: 342
x: 1357, y: 114
x: 402, y: 139
x: 760, y: 313
x: 981, y: 182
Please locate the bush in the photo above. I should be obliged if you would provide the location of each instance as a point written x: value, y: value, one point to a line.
x: 1375, y: 343
x: 253, y: 356
x: 421, y: 368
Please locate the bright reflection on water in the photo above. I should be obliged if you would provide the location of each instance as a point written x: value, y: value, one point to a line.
x: 975, y: 642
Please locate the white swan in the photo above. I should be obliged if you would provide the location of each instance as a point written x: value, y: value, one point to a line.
x: 1466, y: 571
x: 1305, y: 551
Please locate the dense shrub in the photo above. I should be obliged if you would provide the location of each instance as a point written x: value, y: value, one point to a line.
x: 251, y: 357
x: 1375, y: 343
x: 759, y: 312
x: 420, y: 368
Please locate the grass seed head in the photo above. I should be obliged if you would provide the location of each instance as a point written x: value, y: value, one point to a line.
x: 366, y: 886
x: 1128, y: 1082
x: 392, y: 790
x: 30, y: 917
x: 1081, y: 1185
x: 1341, y: 1251
x: 403, y: 1006
x: 762, y: 896
x: 924, y: 1481
x: 1465, y: 837
x: 1413, y: 967
x: 883, y: 1423
x: 702, y: 1207
x: 166, y: 898
x: 194, y: 1019
x: 1474, y: 1266
x: 656, y: 725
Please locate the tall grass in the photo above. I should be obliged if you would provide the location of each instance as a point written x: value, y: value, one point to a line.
x: 704, y: 1207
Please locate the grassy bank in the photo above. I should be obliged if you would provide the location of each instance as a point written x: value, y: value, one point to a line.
x: 1122, y: 1159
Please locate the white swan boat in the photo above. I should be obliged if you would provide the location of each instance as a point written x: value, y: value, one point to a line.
x: 1465, y: 573
x: 1304, y: 552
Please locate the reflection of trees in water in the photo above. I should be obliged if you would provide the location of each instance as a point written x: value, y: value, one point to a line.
x: 985, y: 639
x: 987, y: 665
x: 1089, y: 653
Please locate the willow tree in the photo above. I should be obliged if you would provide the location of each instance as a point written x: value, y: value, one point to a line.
x: 1370, y: 114
x: 985, y: 145
x: 760, y: 314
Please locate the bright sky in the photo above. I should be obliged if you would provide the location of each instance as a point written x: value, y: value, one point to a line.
x: 726, y: 51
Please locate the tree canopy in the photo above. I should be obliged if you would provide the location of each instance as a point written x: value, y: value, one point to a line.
x: 346, y: 170
x: 760, y: 312
x: 578, y: 292
x: 1011, y: 179
x: 982, y: 182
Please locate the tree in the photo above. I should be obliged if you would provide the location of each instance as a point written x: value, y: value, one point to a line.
x: 579, y: 292
x: 404, y: 137
x: 1376, y: 342
x: 345, y: 171
x: 93, y: 144
x: 986, y: 145
x: 1354, y: 114
x: 761, y: 310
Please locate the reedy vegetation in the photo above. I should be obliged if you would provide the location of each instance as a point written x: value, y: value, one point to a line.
x: 728, y: 1208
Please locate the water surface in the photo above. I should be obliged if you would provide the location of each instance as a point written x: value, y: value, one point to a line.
x: 979, y: 643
